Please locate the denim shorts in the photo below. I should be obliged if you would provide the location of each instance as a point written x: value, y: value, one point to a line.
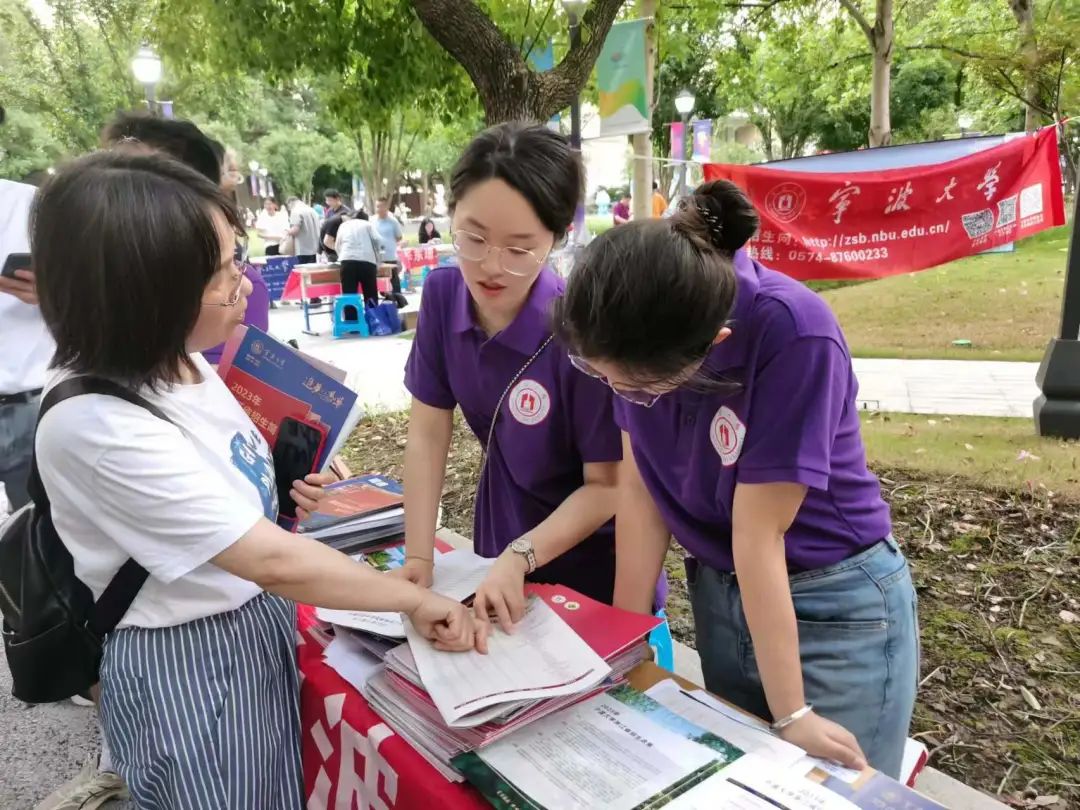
x: 858, y: 643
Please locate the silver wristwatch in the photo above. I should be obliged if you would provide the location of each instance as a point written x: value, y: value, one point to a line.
x: 524, y: 547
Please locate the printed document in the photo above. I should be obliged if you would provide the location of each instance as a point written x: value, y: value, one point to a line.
x: 457, y: 575
x: 740, y: 729
x: 542, y: 658
x: 600, y: 753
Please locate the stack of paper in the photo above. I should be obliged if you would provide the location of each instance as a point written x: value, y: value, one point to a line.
x: 567, y: 648
x: 358, y: 514
x: 457, y: 574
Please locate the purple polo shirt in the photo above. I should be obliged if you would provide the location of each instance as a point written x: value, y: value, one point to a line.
x: 554, y: 420
x: 620, y: 209
x: 792, y: 418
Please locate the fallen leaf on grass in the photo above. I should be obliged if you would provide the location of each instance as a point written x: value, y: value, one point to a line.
x: 1024, y: 455
x: 1068, y: 617
x: 1030, y: 699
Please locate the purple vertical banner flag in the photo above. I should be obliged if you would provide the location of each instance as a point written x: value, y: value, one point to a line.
x: 703, y: 141
x: 166, y: 108
x: 678, y: 141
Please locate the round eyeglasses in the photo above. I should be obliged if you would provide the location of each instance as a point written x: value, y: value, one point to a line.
x: 646, y: 399
x: 514, y: 260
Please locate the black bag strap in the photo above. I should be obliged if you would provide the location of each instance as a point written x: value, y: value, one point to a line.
x: 125, y: 585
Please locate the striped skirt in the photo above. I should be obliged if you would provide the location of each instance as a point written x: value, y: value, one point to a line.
x: 205, y: 715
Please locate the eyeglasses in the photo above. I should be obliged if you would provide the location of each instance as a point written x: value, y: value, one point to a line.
x: 514, y: 260
x: 645, y: 399
x: 234, y: 296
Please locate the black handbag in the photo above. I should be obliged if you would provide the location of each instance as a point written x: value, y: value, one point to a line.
x: 53, y: 629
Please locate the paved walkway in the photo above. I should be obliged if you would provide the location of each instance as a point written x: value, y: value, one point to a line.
x: 958, y: 387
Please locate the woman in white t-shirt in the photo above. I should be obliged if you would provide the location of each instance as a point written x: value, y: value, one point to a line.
x: 199, y: 695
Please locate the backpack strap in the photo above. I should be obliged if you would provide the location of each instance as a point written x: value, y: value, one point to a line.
x: 125, y: 585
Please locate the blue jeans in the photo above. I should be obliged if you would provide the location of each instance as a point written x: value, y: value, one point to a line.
x: 16, y: 448
x: 858, y: 643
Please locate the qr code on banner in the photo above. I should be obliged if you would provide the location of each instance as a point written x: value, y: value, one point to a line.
x: 1006, y: 211
x: 979, y: 223
x: 1031, y: 201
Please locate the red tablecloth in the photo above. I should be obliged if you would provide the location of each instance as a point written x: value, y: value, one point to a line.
x: 333, y: 290
x: 352, y: 759
x: 416, y: 258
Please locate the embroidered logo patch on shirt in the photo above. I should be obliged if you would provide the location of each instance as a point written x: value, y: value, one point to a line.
x: 529, y: 402
x: 727, y: 433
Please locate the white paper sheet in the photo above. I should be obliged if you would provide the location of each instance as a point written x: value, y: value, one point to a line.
x: 782, y: 786
x: 741, y: 730
x: 457, y: 575
x: 351, y: 661
x: 542, y: 658
x: 600, y: 753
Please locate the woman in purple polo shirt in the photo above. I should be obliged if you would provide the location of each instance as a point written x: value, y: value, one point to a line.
x: 741, y: 439
x: 546, y: 495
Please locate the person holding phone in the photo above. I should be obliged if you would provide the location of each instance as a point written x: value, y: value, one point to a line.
x: 741, y: 438
x: 25, y: 345
x: 199, y: 693
x: 545, y: 499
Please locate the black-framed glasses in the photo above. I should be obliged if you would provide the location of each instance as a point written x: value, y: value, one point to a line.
x: 514, y: 260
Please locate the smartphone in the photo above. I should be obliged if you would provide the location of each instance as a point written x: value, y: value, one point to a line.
x: 296, y: 455
x: 15, y: 261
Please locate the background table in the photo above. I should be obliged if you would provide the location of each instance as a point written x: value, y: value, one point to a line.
x: 308, y: 281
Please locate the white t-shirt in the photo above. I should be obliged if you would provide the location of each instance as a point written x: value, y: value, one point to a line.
x: 26, y: 347
x: 356, y: 242
x: 275, y: 226
x: 124, y: 483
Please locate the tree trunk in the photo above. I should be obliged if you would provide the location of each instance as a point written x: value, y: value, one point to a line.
x: 1024, y: 12
x: 880, y: 37
x: 508, y: 88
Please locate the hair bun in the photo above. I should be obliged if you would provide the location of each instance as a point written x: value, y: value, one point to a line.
x: 726, y: 212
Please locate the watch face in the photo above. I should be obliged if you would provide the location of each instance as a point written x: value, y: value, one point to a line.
x: 521, y: 546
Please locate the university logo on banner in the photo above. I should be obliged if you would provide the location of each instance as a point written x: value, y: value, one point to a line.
x: 620, y: 78
x: 874, y: 223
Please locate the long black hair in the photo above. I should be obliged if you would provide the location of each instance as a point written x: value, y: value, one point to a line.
x: 534, y: 161
x: 424, y: 236
x: 650, y: 296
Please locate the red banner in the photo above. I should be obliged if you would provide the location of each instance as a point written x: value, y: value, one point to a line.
x: 878, y: 223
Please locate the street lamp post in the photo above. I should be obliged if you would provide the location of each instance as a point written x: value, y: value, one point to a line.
x: 1057, y: 409
x: 574, y: 10
x: 147, y: 69
x: 684, y: 104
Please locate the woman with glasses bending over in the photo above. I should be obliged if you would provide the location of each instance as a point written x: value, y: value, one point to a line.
x: 199, y: 695
x: 741, y: 438
x: 546, y: 495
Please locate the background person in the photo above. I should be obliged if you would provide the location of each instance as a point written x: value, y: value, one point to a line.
x: 272, y: 225
x: 26, y: 347
x: 544, y: 502
x: 741, y: 438
x: 659, y: 201
x: 428, y: 232
x: 391, y: 233
x: 191, y: 499
x: 359, y: 248
x: 304, y: 229
x: 620, y: 212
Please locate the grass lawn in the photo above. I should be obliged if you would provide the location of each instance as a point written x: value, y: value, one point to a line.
x: 1006, y: 304
x: 985, y: 451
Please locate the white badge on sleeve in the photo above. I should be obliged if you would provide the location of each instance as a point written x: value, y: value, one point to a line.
x: 727, y: 433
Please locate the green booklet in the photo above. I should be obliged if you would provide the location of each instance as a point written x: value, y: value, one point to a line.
x: 620, y: 750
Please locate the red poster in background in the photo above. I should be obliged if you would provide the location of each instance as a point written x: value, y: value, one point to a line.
x: 878, y: 223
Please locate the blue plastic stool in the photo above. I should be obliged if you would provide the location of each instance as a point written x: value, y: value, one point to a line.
x: 343, y: 327
x: 662, y: 643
